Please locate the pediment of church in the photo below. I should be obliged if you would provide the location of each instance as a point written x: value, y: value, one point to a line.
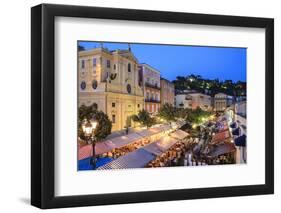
x: 129, y: 55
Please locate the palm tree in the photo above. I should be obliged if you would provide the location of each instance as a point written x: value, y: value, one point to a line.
x: 167, y: 112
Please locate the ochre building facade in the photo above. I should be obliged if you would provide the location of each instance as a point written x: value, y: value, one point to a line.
x: 110, y: 80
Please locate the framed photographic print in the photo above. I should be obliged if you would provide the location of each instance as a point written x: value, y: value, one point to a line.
x: 139, y: 106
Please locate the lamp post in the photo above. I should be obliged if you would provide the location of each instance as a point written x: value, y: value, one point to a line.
x: 88, y: 127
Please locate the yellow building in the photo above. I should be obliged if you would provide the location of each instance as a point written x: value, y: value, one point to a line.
x: 110, y: 80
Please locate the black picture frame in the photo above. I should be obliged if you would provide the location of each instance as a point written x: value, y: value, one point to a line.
x: 43, y: 102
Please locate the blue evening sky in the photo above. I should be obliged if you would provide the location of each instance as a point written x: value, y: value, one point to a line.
x: 223, y: 63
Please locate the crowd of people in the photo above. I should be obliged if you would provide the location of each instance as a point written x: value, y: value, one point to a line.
x: 116, y: 153
x: 222, y: 159
x: 171, y: 157
x: 190, y: 152
x: 205, y: 152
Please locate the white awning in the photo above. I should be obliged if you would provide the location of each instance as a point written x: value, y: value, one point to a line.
x: 179, y: 134
x: 135, y: 159
x: 142, y: 156
x: 120, y: 141
x: 160, y: 146
x: 154, y: 130
x: 124, y: 140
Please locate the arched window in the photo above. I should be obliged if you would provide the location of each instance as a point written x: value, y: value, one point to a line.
x: 113, y: 119
x: 129, y: 89
x: 83, y: 85
x: 94, y: 84
x: 108, y: 63
x: 129, y: 67
x: 82, y: 64
x: 94, y: 62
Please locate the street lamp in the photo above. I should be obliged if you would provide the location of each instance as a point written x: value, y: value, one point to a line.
x: 88, y: 127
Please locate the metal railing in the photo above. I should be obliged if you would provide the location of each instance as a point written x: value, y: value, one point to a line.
x: 155, y: 86
x: 152, y: 100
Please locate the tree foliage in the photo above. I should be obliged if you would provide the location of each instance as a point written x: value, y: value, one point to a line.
x: 104, y: 126
x: 212, y: 87
x: 144, y: 118
x: 196, y: 115
x: 182, y: 113
x: 168, y: 112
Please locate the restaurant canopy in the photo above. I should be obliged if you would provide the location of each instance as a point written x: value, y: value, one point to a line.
x: 135, y: 159
x: 84, y: 152
x: 220, y: 137
x: 87, y: 151
x: 180, y: 123
x: 105, y: 146
x: 120, y: 141
x: 160, y: 146
x: 154, y: 130
x: 142, y: 156
x: 124, y: 140
x: 179, y: 134
x: 108, y: 145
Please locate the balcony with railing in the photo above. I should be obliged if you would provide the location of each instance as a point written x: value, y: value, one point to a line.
x: 152, y: 100
x: 154, y: 86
